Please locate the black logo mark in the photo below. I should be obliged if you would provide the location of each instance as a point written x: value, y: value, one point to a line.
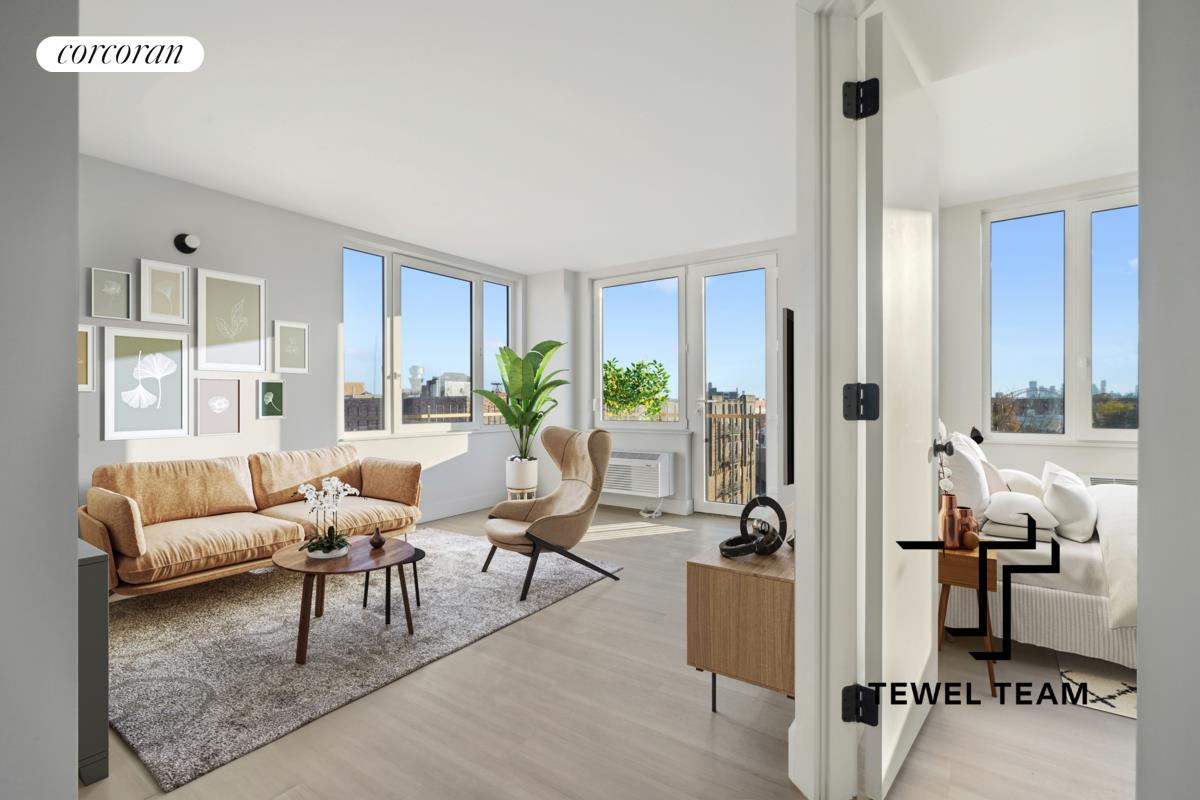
x: 1029, y: 543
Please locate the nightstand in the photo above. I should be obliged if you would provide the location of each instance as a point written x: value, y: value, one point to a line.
x: 961, y: 568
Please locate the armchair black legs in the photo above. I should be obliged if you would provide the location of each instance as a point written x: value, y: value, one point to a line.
x: 538, y: 546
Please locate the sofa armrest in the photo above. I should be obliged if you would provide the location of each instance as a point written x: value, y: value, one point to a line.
x: 93, y: 531
x: 122, y: 517
x: 388, y: 479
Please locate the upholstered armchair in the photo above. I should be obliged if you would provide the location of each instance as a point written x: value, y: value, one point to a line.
x: 559, y: 520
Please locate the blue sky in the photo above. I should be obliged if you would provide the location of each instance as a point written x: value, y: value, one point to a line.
x: 1115, y: 298
x: 1027, y: 300
x: 435, y: 327
x: 641, y: 322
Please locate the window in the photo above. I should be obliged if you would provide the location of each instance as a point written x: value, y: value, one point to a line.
x: 362, y: 341
x: 495, y: 336
x: 1063, y: 320
x: 1115, y: 318
x: 640, y: 364
x: 1027, y: 274
x: 418, y: 339
x: 435, y: 337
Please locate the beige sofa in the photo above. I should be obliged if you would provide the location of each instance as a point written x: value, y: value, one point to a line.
x: 168, y: 524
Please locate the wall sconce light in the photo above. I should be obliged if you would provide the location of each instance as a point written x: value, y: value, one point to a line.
x: 187, y: 243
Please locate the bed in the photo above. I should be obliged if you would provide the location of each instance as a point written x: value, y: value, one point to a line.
x: 1090, y: 606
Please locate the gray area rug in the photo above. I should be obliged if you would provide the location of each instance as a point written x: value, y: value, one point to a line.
x: 202, y: 675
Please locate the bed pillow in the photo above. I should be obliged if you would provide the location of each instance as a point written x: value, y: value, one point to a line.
x: 1052, y: 472
x: 1023, y: 482
x: 995, y: 481
x: 963, y: 442
x: 1010, y: 508
x: 996, y: 529
x: 1074, y: 507
x: 970, y: 483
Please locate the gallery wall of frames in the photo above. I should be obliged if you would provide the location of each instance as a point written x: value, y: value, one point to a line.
x: 166, y: 383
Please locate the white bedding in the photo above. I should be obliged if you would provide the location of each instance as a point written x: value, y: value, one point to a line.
x: 1116, y: 524
x: 1081, y: 566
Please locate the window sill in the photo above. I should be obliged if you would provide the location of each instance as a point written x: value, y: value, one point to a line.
x: 379, y: 436
x: 1052, y: 440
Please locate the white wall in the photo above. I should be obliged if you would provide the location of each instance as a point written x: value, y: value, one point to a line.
x: 126, y: 214
x: 1169, y: 549
x: 961, y: 308
x: 39, y: 141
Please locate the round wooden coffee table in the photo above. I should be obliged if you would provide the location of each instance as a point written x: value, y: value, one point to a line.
x: 361, y: 558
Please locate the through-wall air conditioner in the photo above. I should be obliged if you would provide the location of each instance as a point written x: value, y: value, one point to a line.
x: 1097, y: 480
x: 641, y: 475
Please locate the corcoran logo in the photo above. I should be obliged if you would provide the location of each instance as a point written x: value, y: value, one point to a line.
x: 120, y: 54
x: 1030, y: 543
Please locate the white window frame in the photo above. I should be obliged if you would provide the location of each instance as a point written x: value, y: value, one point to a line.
x: 598, y: 287
x: 394, y: 425
x: 1077, y: 315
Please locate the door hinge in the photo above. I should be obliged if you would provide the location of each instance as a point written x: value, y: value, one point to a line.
x: 860, y: 99
x: 860, y: 704
x: 860, y: 401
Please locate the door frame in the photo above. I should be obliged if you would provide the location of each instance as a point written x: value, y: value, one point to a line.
x: 696, y: 274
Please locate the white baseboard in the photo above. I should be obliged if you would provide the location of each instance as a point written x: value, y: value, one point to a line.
x: 671, y: 505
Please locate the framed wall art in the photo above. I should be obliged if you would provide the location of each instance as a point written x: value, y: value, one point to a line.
x: 146, y: 386
x: 218, y: 406
x: 112, y: 294
x: 270, y: 399
x: 231, y: 315
x: 164, y: 292
x: 291, y: 346
x: 85, y: 358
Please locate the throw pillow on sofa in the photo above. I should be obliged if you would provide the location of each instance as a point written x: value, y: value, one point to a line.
x: 1052, y: 472
x: 995, y: 481
x: 1074, y: 507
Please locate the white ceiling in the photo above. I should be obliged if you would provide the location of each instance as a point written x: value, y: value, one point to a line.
x: 529, y: 134
x: 1030, y: 94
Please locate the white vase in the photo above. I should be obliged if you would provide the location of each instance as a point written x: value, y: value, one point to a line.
x: 341, y: 551
x: 521, y: 474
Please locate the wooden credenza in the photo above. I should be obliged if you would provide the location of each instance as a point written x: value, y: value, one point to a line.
x: 741, y: 617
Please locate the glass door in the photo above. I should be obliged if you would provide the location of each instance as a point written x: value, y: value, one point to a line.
x: 731, y: 396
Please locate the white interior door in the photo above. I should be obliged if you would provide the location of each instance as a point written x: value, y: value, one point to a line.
x: 898, y: 352
x: 733, y: 410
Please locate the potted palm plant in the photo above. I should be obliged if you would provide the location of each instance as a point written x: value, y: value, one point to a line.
x: 524, y: 405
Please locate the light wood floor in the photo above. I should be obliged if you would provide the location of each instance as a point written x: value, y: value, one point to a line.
x: 592, y: 698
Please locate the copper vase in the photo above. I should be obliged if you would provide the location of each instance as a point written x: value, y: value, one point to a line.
x: 967, y: 527
x: 948, y: 521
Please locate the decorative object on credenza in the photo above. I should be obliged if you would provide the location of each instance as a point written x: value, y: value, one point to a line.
x: 291, y: 346
x: 85, y: 358
x: 524, y: 405
x: 187, y: 243
x: 323, y: 504
x: 164, y: 292
x: 231, y: 313
x: 218, y: 406
x: 377, y: 539
x: 270, y: 399
x: 112, y: 294
x: 758, y: 535
x: 146, y: 385
x: 948, y: 503
x: 976, y: 436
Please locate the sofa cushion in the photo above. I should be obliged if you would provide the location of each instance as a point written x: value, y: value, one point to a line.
x: 169, y: 490
x: 181, y: 547
x: 356, y: 515
x: 276, y: 476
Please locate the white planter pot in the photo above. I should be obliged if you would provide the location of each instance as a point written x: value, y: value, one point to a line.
x: 341, y: 551
x: 521, y: 474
